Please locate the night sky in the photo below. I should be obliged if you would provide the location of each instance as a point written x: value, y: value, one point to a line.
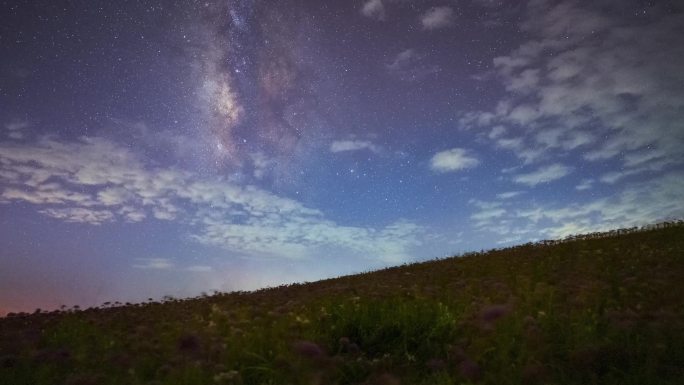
x: 152, y: 148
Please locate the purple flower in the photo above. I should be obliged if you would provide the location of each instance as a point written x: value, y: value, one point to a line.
x: 436, y: 364
x: 188, y: 343
x: 308, y: 349
x: 494, y: 312
x: 470, y: 369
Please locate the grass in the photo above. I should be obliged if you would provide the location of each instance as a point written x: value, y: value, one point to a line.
x: 600, y: 309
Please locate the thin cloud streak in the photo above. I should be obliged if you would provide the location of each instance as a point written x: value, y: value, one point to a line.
x: 243, y: 219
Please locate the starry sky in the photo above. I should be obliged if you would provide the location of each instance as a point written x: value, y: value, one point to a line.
x: 152, y: 148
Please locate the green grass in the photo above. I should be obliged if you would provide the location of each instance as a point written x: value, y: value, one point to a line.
x: 603, y: 310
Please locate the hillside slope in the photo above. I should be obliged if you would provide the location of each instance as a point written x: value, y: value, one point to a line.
x: 606, y: 309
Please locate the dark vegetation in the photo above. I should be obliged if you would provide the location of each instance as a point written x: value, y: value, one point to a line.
x: 598, y: 309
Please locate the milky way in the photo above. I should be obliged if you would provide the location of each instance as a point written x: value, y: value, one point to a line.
x: 153, y: 148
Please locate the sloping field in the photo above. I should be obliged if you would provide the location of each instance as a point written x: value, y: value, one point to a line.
x: 601, y: 309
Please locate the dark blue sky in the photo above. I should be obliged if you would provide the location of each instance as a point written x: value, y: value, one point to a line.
x: 156, y: 148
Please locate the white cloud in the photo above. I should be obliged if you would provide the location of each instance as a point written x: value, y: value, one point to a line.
x: 613, y: 176
x: 47, y: 193
x: 80, y: 215
x: 488, y: 214
x: 165, y: 210
x: 132, y: 215
x: 262, y: 164
x: 307, y: 237
x: 153, y: 263
x: 581, y: 84
x: 373, y: 9
x: 497, y: 132
x: 484, y: 204
x: 453, y: 160
x: 508, y: 194
x: 650, y: 167
x: 17, y: 125
x: 585, y: 184
x: 199, y: 268
x: 353, y: 145
x: 527, y: 153
x: 489, y: 3
x: 403, y: 59
x: 637, y: 204
x: 567, y: 140
x: 437, y: 17
x: 167, y: 264
x: 16, y: 129
x: 410, y: 66
x: 93, y: 180
x: 543, y: 174
x: 113, y: 196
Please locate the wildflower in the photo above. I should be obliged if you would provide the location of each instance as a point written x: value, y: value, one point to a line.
x: 227, y: 377
x: 53, y: 356
x: 435, y: 364
x: 81, y: 379
x: 469, y: 369
x: 529, y: 322
x: 494, y: 312
x: 533, y: 373
x: 121, y: 360
x: 387, y: 379
x: 353, y: 348
x: 622, y: 319
x: 308, y: 349
x: 8, y: 361
x: 188, y: 343
x: 164, y: 370
x: 458, y: 353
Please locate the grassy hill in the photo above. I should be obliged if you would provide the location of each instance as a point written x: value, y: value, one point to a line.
x: 600, y: 309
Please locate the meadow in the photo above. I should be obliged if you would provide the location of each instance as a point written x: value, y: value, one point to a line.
x: 603, y: 308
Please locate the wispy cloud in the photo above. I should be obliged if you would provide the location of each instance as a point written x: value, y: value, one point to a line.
x: 489, y: 3
x: 408, y: 65
x: 437, y: 17
x: 637, y: 204
x: 80, y: 215
x: 488, y: 214
x: 508, y: 194
x: 455, y: 159
x: 555, y: 107
x: 543, y: 174
x: 93, y: 180
x: 373, y: 9
x: 153, y: 263
x: 403, y: 60
x: 262, y: 164
x: 353, y: 145
x: 15, y: 129
x: 585, y: 184
x: 199, y: 268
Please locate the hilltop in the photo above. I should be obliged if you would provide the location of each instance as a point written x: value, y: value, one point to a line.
x: 602, y: 308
